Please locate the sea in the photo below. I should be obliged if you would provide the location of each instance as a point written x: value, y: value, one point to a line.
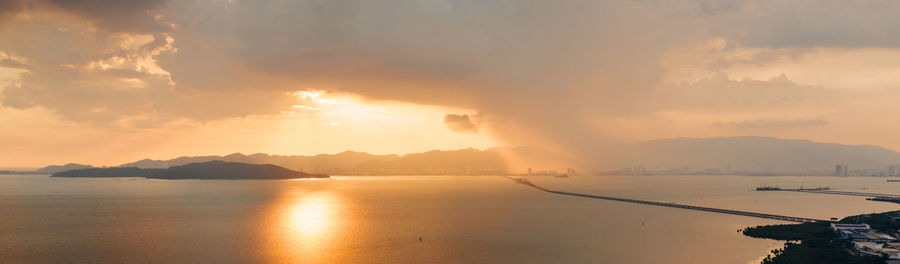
x: 406, y: 219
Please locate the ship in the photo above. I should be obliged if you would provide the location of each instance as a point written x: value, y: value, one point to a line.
x: 768, y: 188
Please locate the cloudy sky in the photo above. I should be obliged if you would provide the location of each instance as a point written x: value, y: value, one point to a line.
x: 111, y: 82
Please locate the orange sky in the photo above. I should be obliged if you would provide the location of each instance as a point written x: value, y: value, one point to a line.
x: 108, y: 84
x: 327, y: 124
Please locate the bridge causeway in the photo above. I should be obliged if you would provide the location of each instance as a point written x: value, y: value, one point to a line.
x: 864, y: 194
x: 674, y: 205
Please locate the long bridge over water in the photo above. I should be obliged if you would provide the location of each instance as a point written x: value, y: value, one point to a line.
x: 864, y: 194
x: 673, y: 205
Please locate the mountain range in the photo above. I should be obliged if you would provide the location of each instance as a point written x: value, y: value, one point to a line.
x: 210, y: 170
x: 748, y: 155
x: 760, y: 154
x: 455, y: 162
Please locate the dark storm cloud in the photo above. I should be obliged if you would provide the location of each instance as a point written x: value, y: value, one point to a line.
x: 543, y: 71
x: 460, y: 123
x: 811, y: 23
x: 10, y: 6
x: 117, y: 15
x: 526, y: 62
x: 720, y: 93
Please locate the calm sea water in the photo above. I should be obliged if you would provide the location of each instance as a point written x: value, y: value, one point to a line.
x: 380, y: 219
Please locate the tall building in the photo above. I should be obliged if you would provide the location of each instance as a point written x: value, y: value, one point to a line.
x: 838, y: 170
x: 894, y: 170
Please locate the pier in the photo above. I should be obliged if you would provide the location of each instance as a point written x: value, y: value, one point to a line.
x: 672, y: 205
x: 864, y: 194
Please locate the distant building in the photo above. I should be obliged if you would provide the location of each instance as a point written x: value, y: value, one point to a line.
x: 868, y: 248
x: 860, y: 233
x: 890, y: 253
x: 637, y: 170
x: 878, y: 249
x: 851, y: 231
x: 841, y: 170
x: 891, y: 250
x: 861, y: 227
x: 542, y: 173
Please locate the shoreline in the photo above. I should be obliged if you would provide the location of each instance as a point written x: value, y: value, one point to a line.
x: 826, y: 242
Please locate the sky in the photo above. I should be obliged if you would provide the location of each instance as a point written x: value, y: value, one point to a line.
x: 108, y: 83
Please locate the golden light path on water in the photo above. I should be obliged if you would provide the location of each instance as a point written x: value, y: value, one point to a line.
x: 309, y: 218
x: 304, y: 227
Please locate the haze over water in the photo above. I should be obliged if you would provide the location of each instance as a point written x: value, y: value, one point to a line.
x: 272, y: 89
x: 380, y: 219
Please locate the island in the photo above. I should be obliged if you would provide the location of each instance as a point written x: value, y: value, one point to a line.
x: 210, y: 170
x: 860, y: 239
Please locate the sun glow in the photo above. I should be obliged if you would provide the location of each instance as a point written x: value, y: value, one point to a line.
x: 351, y: 121
x: 304, y: 226
x: 309, y: 217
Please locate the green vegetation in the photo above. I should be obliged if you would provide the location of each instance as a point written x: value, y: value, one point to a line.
x: 818, y: 244
x: 802, y: 231
x: 818, y: 251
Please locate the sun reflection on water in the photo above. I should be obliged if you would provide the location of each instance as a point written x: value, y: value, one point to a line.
x: 309, y: 217
x: 304, y: 227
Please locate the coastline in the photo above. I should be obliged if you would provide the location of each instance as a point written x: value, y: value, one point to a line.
x: 873, y: 240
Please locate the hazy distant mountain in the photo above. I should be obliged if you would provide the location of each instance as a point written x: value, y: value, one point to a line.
x: 203, y: 170
x: 726, y: 154
x: 757, y: 154
x: 109, y: 172
x: 343, y: 162
x: 457, y: 162
x: 60, y: 168
x: 466, y: 161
